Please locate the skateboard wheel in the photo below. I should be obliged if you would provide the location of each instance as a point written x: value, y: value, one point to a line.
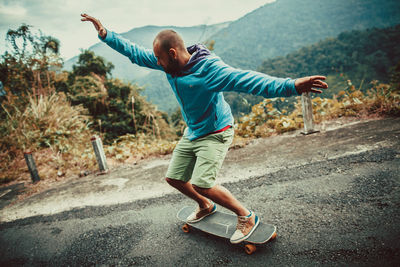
x: 273, y: 236
x: 186, y: 228
x: 250, y: 248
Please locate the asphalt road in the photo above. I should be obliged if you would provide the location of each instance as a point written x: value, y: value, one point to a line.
x: 341, y: 210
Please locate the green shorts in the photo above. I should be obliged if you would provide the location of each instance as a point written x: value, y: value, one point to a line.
x: 200, y: 160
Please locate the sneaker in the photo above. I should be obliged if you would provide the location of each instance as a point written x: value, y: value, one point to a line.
x: 245, y: 227
x: 199, y: 213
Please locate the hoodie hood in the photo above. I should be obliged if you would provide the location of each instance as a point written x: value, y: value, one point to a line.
x: 198, y: 52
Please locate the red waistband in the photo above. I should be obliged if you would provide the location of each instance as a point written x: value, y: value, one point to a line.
x: 221, y: 130
x: 217, y: 131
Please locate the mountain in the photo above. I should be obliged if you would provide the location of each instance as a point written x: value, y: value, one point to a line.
x: 362, y: 55
x: 272, y: 30
x: 287, y: 25
x: 277, y: 29
x: 359, y: 56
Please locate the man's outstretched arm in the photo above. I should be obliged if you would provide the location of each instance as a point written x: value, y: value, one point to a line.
x: 227, y: 78
x: 137, y: 54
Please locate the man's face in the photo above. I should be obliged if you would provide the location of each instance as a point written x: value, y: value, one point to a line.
x: 168, y: 61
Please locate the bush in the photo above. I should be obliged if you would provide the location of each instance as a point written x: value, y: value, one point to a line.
x: 47, y: 124
x: 266, y: 120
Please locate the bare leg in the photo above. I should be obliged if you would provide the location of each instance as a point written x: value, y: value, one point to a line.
x: 223, y: 197
x: 187, y: 189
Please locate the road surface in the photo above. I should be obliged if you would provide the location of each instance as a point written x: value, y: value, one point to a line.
x: 334, y: 197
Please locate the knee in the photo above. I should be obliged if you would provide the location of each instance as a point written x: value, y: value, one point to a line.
x: 174, y: 182
x: 201, y: 190
x: 169, y: 180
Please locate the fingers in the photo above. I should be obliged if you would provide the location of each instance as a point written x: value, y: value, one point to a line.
x: 96, y: 22
x: 315, y: 91
x: 311, y: 84
x: 86, y: 17
x: 315, y: 81
x: 317, y: 77
x: 319, y: 84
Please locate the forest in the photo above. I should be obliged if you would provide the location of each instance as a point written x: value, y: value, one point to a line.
x: 359, y: 56
x: 362, y: 55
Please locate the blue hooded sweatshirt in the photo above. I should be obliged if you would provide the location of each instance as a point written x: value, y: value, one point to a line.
x: 199, y: 85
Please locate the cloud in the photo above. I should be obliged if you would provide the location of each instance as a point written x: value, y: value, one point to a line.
x: 11, y: 13
x: 14, y: 10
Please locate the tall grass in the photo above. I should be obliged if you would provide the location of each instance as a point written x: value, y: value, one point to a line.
x: 49, y: 126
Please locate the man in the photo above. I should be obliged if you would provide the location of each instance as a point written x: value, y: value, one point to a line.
x: 198, y: 79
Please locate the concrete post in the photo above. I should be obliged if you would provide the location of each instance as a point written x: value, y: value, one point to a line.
x: 31, y: 166
x: 307, y: 109
x: 99, y: 152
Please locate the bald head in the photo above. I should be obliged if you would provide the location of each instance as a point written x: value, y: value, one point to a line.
x: 167, y: 39
x: 170, y: 51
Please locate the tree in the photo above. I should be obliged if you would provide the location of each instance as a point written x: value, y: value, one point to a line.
x: 89, y: 63
x: 109, y: 101
x: 29, y: 66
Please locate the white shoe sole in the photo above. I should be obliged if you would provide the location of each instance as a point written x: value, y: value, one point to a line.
x: 197, y: 220
x: 237, y: 241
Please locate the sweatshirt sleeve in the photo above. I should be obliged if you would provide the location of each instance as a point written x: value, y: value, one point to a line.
x: 223, y: 77
x: 137, y: 54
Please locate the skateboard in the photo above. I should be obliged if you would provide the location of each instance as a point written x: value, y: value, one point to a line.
x: 224, y: 225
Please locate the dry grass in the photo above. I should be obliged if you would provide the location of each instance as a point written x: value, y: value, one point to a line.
x: 130, y: 148
x: 49, y: 127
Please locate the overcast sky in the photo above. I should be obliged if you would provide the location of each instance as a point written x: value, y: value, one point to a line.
x: 61, y: 18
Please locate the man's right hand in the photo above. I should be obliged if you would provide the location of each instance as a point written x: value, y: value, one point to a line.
x: 99, y: 27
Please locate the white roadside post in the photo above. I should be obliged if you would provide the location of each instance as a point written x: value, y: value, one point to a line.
x: 307, y: 109
x: 99, y: 152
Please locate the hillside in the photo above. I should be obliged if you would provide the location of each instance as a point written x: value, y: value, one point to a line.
x: 239, y: 44
x: 287, y: 25
x: 272, y: 30
x: 361, y: 55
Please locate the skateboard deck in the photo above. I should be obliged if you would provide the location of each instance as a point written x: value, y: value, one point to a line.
x: 224, y: 225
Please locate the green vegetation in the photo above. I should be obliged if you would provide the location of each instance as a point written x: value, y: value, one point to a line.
x: 116, y: 108
x: 54, y: 113
x: 273, y: 30
x: 29, y: 67
x: 362, y: 55
x: 284, y: 26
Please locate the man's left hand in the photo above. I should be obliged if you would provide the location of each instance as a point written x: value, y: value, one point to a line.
x: 310, y: 83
